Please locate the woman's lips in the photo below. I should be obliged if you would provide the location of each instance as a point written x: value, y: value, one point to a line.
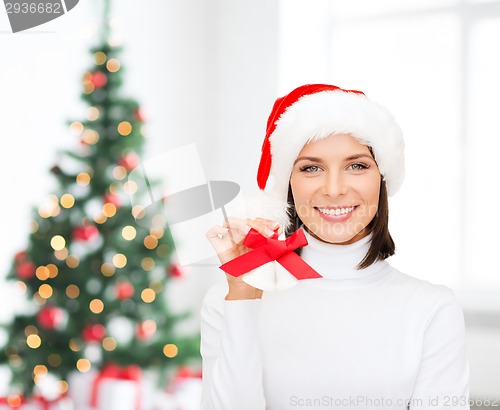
x: 338, y: 214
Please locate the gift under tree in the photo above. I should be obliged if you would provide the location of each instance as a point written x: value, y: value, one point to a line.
x: 96, y: 268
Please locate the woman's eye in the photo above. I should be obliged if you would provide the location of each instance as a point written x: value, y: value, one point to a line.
x: 310, y: 168
x: 358, y: 166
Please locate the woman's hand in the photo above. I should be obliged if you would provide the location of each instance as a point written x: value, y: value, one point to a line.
x: 227, y: 242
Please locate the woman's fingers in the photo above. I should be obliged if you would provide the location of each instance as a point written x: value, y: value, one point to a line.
x: 227, y: 239
x: 216, y: 232
x: 265, y: 227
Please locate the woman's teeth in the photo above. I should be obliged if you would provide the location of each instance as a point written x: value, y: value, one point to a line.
x: 338, y: 211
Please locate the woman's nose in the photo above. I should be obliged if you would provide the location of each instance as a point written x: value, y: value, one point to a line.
x: 334, y: 184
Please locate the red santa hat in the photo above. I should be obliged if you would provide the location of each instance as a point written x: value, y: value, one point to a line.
x: 312, y: 112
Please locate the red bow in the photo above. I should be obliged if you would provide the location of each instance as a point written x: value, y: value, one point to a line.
x: 271, y: 249
x: 112, y: 371
x: 45, y: 403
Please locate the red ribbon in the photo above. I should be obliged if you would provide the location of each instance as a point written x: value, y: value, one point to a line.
x: 112, y: 371
x: 271, y: 249
x: 46, y: 403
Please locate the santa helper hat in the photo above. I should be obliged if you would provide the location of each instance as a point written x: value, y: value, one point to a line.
x: 313, y: 112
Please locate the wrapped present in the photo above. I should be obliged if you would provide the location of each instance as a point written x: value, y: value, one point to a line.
x: 183, y: 392
x: 117, y: 388
x: 85, y: 389
x: 80, y: 388
x: 59, y: 403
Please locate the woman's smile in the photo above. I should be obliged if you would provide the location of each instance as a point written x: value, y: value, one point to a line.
x: 336, y: 214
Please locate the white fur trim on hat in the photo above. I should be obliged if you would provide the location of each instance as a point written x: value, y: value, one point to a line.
x: 319, y: 115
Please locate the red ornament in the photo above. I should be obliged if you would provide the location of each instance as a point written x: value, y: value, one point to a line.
x: 85, y: 233
x: 25, y: 270
x: 99, y: 79
x: 139, y: 115
x: 124, y: 290
x: 146, y: 330
x: 51, y: 317
x: 93, y: 333
x: 21, y: 256
x: 175, y: 271
x: 111, y: 199
x: 129, y: 161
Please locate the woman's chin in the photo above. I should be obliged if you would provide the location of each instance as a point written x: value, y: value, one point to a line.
x: 336, y: 236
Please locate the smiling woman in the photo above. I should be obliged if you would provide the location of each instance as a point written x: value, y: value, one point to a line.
x: 341, y: 322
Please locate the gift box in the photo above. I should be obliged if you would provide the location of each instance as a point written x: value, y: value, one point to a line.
x: 60, y: 403
x: 112, y: 388
x: 118, y: 395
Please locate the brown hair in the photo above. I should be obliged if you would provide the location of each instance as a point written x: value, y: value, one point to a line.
x: 381, y: 245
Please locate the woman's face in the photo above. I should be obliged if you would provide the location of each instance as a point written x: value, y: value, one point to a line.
x: 335, y: 185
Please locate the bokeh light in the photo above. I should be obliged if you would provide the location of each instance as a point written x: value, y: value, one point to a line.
x: 67, y: 201
x: 42, y: 273
x: 72, y: 261
x: 109, y: 209
x: 76, y: 128
x: 83, y: 365
x: 107, y: 269
x: 93, y: 114
x: 45, y: 291
x: 109, y: 344
x: 119, y: 172
x: 53, y: 270
x: 119, y: 260
x: 129, y: 232
x: 34, y: 341
x: 90, y: 137
x: 170, y: 350
x: 57, y: 242
x: 72, y: 291
x: 124, y: 128
x: 96, y: 306
x: 150, y: 242
x: 148, y: 295
x: 113, y: 65
x: 99, y: 58
x: 83, y: 179
x: 147, y: 263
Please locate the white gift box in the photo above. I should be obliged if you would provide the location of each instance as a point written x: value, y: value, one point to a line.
x: 111, y: 394
x: 64, y: 403
x: 80, y: 389
x: 118, y: 395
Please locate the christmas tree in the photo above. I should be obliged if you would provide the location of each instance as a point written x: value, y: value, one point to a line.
x: 96, y: 268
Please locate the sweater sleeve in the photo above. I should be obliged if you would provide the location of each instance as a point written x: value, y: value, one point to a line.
x: 443, y: 378
x: 231, y: 359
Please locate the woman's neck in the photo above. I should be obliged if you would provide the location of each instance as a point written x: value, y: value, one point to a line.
x: 337, y: 262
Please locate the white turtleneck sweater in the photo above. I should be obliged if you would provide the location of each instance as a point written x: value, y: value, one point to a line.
x: 354, y: 339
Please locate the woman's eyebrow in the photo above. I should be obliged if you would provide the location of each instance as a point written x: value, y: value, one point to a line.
x: 358, y: 156
x: 349, y: 158
x: 313, y: 159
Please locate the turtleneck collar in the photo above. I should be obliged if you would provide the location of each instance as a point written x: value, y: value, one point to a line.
x: 338, y: 263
